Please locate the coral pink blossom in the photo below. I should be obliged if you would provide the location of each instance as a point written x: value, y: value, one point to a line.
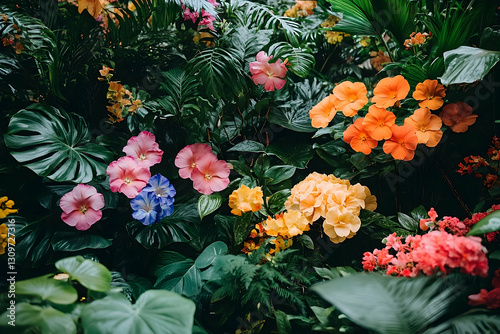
x: 144, y: 149
x: 210, y: 175
x: 271, y: 75
x: 190, y: 156
x: 82, y: 207
x: 127, y: 176
x: 423, y: 222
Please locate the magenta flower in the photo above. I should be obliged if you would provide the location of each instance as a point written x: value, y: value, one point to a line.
x: 82, y: 207
x: 271, y: 75
x: 190, y: 156
x: 210, y: 175
x: 127, y: 176
x: 144, y: 149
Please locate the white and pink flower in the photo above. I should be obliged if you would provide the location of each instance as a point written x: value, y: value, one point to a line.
x: 144, y: 149
x: 82, y: 207
x: 127, y: 176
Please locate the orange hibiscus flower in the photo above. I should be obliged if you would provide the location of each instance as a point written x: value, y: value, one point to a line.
x: 458, y: 116
x: 378, y: 122
x: 351, y: 96
x: 427, y: 125
x: 357, y: 136
x: 322, y: 113
x: 430, y: 94
x: 402, y: 144
x: 390, y: 90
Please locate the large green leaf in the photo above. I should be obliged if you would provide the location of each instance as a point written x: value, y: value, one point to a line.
x: 47, y: 288
x: 209, y: 254
x: 467, y: 64
x: 387, y: 304
x: 490, y: 223
x: 156, y: 311
x: 55, y: 144
x: 472, y: 323
x: 75, y: 241
x: 293, y: 153
x: 301, y: 60
x: 46, y: 320
x: 277, y: 174
x: 90, y: 274
x: 208, y: 204
x: 355, y: 17
x: 182, y: 277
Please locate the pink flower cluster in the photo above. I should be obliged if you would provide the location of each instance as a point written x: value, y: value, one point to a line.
x: 491, y: 299
x: 455, y: 226
x: 198, y: 163
x: 129, y: 174
x: 271, y: 75
x: 430, y: 253
x: 207, y: 19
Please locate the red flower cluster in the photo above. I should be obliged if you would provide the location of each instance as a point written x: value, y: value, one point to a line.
x: 489, y: 298
x: 434, y: 252
x: 484, y: 168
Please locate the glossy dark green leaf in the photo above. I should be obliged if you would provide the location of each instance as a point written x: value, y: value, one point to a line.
x: 92, y: 275
x: 208, y: 204
x: 419, y: 213
x: 182, y: 277
x: 248, y: 146
x: 306, y: 240
x: 334, y: 147
x: 156, y: 311
x: 75, y: 241
x: 48, y: 288
x: 291, y: 153
x: 467, y: 64
x: 408, y: 222
x: 282, y: 322
x: 56, y: 145
x: 490, y: 223
x: 209, y: 254
x: 277, y: 174
x: 276, y: 202
x: 242, y: 227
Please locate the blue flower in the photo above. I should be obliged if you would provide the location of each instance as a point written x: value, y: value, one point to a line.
x: 161, y: 188
x: 146, y: 208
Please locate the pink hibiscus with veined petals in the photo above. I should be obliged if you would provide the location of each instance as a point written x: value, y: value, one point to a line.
x: 82, y: 207
x: 127, y: 176
x: 144, y: 149
x: 190, y: 156
x: 210, y: 176
x: 271, y: 75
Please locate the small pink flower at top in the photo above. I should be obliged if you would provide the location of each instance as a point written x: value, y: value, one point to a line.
x: 144, y: 149
x: 271, y: 75
x: 127, y: 176
x: 210, y: 175
x: 82, y: 207
x: 190, y: 156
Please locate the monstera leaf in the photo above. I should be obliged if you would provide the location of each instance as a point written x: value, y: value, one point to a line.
x: 55, y: 144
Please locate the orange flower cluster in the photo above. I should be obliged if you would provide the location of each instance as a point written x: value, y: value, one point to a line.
x: 245, y: 199
x: 119, y: 97
x: 301, y: 9
x: 278, y: 231
x: 484, y: 168
x: 417, y: 39
x: 14, y: 39
x: 335, y: 200
x: 379, y: 59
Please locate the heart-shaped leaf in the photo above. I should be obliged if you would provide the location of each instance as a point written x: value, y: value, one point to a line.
x: 47, y: 288
x: 90, y: 274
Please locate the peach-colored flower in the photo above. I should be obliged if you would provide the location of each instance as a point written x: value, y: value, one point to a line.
x: 402, y: 144
x: 390, y: 90
x: 378, y: 122
x: 427, y: 126
x: 82, y: 207
x: 245, y: 199
x: 340, y: 225
x: 430, y: 94
x: 287, y: 224
x: 357, y: 136
x: 351, y: 96
x: 210, y: 175
x: 458, y: 116
x: 127, y: 176
x: 322, y: 113
x: 144, y: 149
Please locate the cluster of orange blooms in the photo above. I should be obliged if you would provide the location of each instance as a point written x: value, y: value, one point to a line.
x: 379, y: 123
x: 335, y: 200
x: 484, y: 168
x: 301, y: 9
x: 416, y: 39
x: 121, y: 99
x: 13, y: 40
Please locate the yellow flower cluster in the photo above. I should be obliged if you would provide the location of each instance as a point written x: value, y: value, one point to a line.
x: 245, y: 199
x: 287, y: 224
x: 333, y: 37
x: 121, y: 99
x: 6, y: 207
x: 335, y: 200
x: 301, y: 9
x: 204, y: 37
x: 4, y: 239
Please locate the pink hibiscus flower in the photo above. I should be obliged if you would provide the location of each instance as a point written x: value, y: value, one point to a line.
x: 127, y: 176
x: 272, y: 76
x: 210, y: 175
x: 144, y: 149
x: 82, y: 207
x: 190, y: 156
